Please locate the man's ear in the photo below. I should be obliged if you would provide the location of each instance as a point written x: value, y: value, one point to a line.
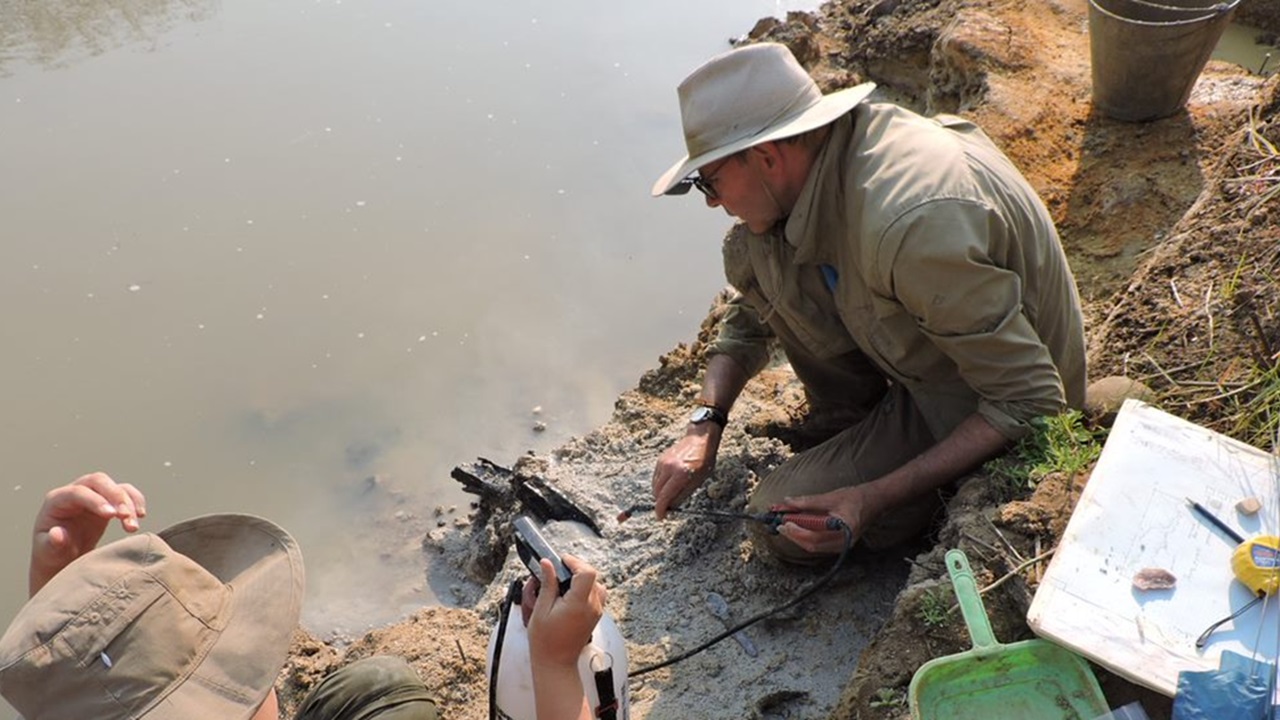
x: 768, y: 154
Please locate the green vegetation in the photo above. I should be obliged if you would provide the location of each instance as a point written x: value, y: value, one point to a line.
x: 889, y: 698
x: 1255, y: 418
x: 934, y: 606
x: 1060, y: 444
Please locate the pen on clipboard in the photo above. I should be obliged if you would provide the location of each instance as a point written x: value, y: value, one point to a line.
x: 1200, y: 510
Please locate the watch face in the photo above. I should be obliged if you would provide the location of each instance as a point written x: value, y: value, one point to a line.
x: 704, y: 413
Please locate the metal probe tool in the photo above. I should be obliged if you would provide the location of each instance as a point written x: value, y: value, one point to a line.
x: 774, y: 519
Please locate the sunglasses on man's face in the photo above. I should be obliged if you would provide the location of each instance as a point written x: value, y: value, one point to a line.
x: 682, y: 187
x: 703, y: 183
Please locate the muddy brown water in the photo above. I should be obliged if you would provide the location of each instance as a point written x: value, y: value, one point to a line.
x: 300, y: 258
x: 256, y: 255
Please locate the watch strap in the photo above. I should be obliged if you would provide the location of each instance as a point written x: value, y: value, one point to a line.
x: 713, y: 414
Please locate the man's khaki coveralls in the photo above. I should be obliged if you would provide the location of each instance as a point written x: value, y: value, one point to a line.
x: 917, y: 280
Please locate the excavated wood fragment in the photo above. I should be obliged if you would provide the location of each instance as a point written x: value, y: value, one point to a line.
x: 1154, y: 579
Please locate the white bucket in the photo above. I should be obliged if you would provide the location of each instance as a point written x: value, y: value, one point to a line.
x: 514, y: 695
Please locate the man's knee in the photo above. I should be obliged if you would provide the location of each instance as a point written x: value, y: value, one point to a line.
x: 382, y: 687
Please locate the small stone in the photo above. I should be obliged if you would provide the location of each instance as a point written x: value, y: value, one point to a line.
x: 1249, y: 506
x: 537, y: 410
x: 1104, y: 397
x: 1154, y: 579
x: 539, y: 426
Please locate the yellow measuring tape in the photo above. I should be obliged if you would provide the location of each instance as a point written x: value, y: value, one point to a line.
x: 1256, y: 563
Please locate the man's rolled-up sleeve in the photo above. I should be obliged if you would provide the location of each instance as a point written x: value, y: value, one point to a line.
x: 938, y: 262
x: 742, y: 336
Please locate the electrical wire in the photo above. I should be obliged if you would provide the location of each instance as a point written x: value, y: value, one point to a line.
x: 816, y: 586
x: 514, y: 591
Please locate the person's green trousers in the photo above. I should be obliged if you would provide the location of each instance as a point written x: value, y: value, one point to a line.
x: 381, y: 687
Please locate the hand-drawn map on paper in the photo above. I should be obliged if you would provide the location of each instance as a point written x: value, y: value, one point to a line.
x: 1133, y: 514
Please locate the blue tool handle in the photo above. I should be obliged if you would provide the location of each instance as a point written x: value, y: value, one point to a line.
x: 966, y: 587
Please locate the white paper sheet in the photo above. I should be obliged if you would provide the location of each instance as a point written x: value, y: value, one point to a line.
x: 1133, y: 514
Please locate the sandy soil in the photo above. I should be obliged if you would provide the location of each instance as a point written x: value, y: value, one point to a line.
x: 1172, y: 232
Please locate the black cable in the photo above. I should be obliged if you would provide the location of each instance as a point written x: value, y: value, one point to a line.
x: 1204, y: 636
x: 817, y: 585
x: 504, y: 610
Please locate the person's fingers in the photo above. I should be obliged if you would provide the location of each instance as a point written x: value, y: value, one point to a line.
x: 119, y: 497
x: 675, y: 491
x: 817, y: 542
x: 54, y: 545
x: 550, y: 588
x: 528, y: 597
x: 599, y: 596
x: 661, y: 493
x: 75, y: 499
x: 584, y: 577
x: 685, y: 493
x: 57, y: 538
x: 139, y: 500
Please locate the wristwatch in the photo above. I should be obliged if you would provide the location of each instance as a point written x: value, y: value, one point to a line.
x: 709, y: 413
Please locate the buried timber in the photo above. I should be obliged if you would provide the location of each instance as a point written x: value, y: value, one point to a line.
x: 1172, y: 232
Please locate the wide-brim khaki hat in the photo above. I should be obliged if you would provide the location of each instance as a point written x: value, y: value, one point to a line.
x: 192, y: 623
x: 748, y: 96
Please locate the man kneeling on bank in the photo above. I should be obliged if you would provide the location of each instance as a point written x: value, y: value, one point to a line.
x: 909, y: 272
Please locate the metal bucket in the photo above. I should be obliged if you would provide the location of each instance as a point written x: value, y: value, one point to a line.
x: 1147, y: 55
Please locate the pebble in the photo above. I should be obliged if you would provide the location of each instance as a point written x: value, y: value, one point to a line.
x: 539, y: 426
x: 1249, y: 506
x: 1154, y: 579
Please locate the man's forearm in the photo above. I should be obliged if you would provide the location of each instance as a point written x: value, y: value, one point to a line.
x: 972, y: 443
x: 723, y: 382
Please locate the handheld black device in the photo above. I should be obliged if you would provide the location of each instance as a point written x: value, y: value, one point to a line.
x: 532, y: 547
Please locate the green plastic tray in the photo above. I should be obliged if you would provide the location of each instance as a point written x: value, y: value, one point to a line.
x: 1028, y: 680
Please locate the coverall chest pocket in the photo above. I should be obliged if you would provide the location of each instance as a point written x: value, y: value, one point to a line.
x: 794, y: 300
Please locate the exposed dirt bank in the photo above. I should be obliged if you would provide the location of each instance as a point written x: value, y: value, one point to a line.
x: 1172, y: 231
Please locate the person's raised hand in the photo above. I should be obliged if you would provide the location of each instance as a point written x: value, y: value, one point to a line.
x: 73, y: 518
x: 684, y: 466
x: 560, y: 626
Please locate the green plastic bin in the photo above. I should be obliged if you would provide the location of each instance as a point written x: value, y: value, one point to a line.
x: 1028, y: 680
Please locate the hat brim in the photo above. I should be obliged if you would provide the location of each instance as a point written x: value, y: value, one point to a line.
x: 821, y: 113
x: 262, y: 565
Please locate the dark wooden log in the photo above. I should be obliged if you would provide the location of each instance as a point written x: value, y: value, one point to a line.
x: 485, y: 478
x: 498, y: 487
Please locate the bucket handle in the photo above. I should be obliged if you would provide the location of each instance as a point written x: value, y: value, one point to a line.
x: 966, y: 587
